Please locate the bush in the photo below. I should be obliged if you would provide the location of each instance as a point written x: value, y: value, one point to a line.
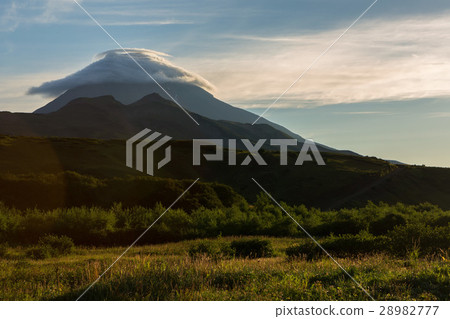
x: 120, y: 224
x: 386, y: 224
x: 85, y: 225
x: 441, y: 221
x: 428, y: 240
x: 38, y: 252
x: 3, y: 250
x: 61, y: 245
x: 362, y: 243
x: 252, y: 248
x: 211, y: 249
x: 344, y: 245
x: 309, y: 251
x: 339, y: 227
x: 51, y: 246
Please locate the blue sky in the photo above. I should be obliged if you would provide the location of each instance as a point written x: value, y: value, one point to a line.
x: 382, y: 90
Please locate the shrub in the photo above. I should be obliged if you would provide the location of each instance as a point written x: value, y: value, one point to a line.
x: 38, y: 252
x: 441, y: 221
x: 211, y: 249
x: 85, y: 225
x: 61, y: 245
x: 252, y: 248
x: 362, y: 243
x: 428, y: 240
x: 386, y: 224
x: 247, y: 248
x: 121, y: 224
x: 51, y: 246
x: 339, y: 227
x: 344, y: 245
x: 3, y: 250
x: 308, y: 250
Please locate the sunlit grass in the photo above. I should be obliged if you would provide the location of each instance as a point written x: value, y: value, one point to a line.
x: 166, y: 272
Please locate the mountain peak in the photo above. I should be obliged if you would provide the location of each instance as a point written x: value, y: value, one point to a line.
x: 151, y: 98
x: 105, y: 103
x: 97, y: 99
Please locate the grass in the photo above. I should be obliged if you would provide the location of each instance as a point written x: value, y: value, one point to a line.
x: 166, y: 272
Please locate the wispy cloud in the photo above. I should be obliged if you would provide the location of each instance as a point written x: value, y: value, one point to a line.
x: 293, y: 39
x: 29, y: 12
x: 364, y: 113
x: 110, y: 13
x: 149, y: 22
x: 377, y: 60
x: 439, y: 115
x: 8, y: 19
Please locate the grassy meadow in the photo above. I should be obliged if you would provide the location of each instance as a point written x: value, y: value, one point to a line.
x: 169, y: 272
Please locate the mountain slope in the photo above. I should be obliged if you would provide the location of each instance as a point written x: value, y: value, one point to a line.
x: 191, y: 97
x: 105, y: 118
x: 35, y: 171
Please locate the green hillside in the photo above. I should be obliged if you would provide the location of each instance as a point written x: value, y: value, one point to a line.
x: 54, y: 172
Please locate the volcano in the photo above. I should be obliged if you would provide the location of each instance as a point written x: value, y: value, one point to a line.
x: 116, y: 74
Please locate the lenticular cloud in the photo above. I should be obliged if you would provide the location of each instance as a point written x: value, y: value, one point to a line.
x: 115, y: 66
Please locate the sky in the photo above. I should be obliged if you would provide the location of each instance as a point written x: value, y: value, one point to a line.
x: 382, y: 90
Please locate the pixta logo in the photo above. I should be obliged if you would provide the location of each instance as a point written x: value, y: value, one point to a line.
x: 141, y: 144
x: 253, y: 149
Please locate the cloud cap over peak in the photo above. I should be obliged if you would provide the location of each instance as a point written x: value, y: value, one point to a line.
x: 115, y: 66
